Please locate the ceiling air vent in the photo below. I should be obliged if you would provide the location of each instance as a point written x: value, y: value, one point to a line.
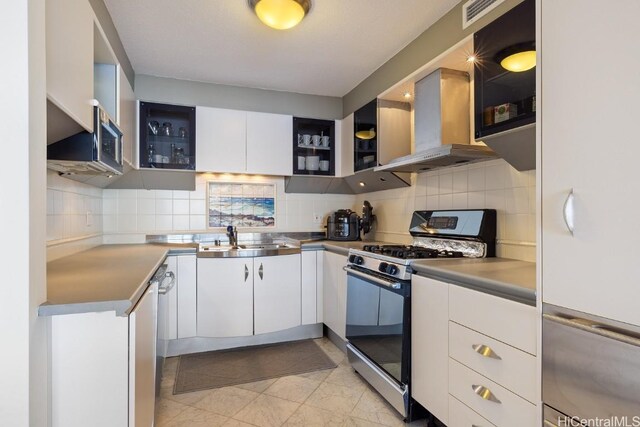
x: 476, y: 9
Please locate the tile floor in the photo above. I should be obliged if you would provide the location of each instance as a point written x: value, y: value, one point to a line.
x: 334, y: 397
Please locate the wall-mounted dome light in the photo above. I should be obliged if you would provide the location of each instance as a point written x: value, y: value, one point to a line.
x: 280, y: 14
x: 518, y: 58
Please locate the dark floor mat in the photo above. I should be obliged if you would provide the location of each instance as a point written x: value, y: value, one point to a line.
x: 213, y: 369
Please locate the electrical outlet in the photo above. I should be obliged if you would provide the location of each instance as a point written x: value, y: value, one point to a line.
x: 316, y: 218
x: 89, y: 219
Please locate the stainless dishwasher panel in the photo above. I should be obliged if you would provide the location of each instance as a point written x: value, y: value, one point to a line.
x: 590, y: 365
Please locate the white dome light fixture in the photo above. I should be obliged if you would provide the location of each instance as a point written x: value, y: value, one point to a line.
x: 280, y: 14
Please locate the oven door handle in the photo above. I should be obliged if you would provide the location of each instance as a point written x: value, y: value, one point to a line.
x: 386, y: 283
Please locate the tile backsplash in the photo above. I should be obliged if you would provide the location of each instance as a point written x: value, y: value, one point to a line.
x: 494, y: 185
x: 74, y: 209
x: 130, y: 214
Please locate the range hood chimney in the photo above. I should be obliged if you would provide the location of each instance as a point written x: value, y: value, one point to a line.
x: 442, y: 129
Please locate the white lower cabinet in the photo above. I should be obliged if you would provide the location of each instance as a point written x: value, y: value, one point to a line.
x: 334, y: 287
x: 429, y: 349
x: 473, y: 356
x: 276, y: 293
x: 182, y: 297
x: 309, y: 287
x: 142, y: 359
x: 225, y: 297
x: 103, y: 367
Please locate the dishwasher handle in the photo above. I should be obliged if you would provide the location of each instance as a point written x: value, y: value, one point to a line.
x: 594, y: 328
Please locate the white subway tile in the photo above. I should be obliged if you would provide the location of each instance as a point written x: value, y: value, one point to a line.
x: 127, y: 206
x: 110, y: 193
x: 476, y: 179
x: 199, y: 194
x: 515, y: 178
x: 532, y: 199
x: 531, y: 228
x: 197, y: 222
x: 181, y: 222
x: 475, y: 200
x: 516, y: 227
x: 146, y: 194
x: 58, y: 202
x: 433, y: 202
x: 110, y: 206
x: 197, y: 207
x: 146, y: 206
x: 446, y: 183
x: 164, y: 194
x: 495, y: 199
x: 127, y: 194
x: 109, y: 223
x: 433, y: 185
x: 460, y: 177
x: 517, y: 200
x: 459, y: 201
x: 180, y: 207
x: 495, y: 177
x: 164, y: 222
x: 164, y: 207
x: 445, y: 201
x: 180, y: 194
x: 421, y: 203
x: 50, y: 202
x: 127, y: 223
x: 146, y: 223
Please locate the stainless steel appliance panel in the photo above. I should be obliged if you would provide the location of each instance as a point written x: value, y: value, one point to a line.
x: 591, y: 366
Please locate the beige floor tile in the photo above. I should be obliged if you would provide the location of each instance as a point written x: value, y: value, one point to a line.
x: 309, y: 416
x: 194, y: 417
x: 236, y: 423
x: 358, y: 422
x: 267, y: 411
x: 318, y: 376
x: 293, y: 388
x: 346, y: 376
x: 166, y: 410
x: 184, y: 398
x: 334, y: 397
x: 372, y: 407
x: 258, y: 386
x: 226, y: 401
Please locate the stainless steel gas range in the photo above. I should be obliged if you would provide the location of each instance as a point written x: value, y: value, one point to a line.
x: 378, y: 327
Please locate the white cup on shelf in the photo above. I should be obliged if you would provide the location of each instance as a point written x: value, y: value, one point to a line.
x: 301, y: 163
x: 313, y: 163
x: 316, y: 139
x: 324, y: 165
x: 325, y: 141
x: 306, y: 139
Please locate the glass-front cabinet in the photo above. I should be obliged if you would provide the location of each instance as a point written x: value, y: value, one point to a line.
x: 505, y: 73
x: 167, y: 136
x: 365, y: 141
x: 314, y: 144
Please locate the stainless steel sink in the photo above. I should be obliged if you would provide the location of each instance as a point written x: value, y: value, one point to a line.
x: 246, y: 250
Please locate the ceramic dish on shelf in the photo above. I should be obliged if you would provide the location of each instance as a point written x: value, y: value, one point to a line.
x: 313, y: 163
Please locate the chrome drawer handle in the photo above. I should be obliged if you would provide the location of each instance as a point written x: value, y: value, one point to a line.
x: 485, y: 351
x: 568, y: 212
x: 261, y: 272
x: 485, y: 393
x: 246, y: 272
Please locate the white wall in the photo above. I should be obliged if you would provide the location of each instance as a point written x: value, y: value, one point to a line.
x: 494, y: 184
x: 128, y: 215
x: 23, y: 389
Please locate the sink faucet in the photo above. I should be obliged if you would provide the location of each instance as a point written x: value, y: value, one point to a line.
x: 232, y: 232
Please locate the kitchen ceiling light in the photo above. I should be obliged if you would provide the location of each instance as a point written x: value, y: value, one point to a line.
x: 407, y: 95
x: 518, y: 58
x: 280, y: 14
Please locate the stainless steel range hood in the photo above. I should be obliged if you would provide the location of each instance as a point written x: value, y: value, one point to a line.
x: 442, y: 125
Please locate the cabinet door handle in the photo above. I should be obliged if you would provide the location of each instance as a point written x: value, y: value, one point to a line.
x: 163, y: 290
x: 246, y: 272
x: 261, y: 272
x: 485, y: 393
x: 486, y: 351
x: 568, y: 212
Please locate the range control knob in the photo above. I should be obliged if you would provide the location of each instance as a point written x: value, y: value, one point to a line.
x: 392, y: 269
x: 383, y: 267
x: 358, y: 260
x: 352, y: 258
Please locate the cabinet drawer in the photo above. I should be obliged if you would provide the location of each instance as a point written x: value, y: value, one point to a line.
x: 460, y: 415
x: 487, y: 314
x: 508, y: 409
x: 506, y: 365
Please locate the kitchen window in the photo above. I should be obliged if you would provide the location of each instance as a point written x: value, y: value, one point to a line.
x: 241, y: 204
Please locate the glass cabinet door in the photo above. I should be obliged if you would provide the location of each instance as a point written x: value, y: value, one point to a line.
x: 314, y: 144
x: 505, y: 88
x: 167, y: 136
x: 365, y: 141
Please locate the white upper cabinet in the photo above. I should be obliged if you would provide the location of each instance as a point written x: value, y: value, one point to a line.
x: 243, y: 142
x: 269, y: 142
x: 127, y: 120
x: 69, y: 31
x: 221, y: 140
x: 589, y: 145
x: 276, y: 293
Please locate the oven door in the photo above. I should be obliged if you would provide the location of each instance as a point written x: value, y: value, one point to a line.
x: 378, y: 321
